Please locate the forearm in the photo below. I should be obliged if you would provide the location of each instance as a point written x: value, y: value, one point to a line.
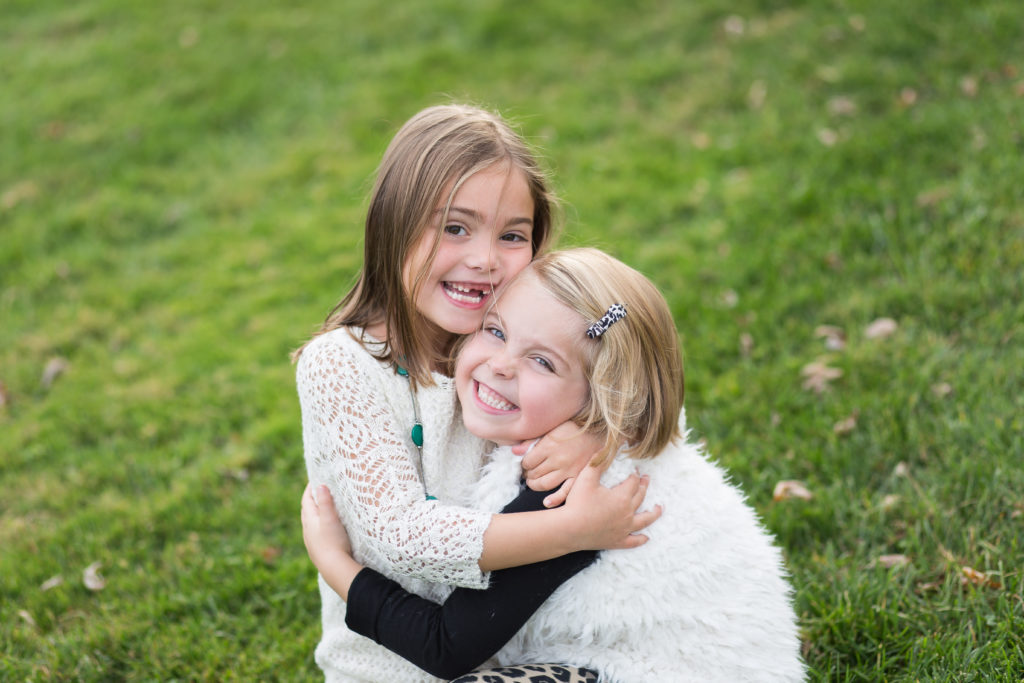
x: 451, y: 639
x: 522, y: 538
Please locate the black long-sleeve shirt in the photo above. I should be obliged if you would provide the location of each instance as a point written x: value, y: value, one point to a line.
x: 455, y: 637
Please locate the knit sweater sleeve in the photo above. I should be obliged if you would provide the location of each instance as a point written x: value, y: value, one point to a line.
x: 453, y: 638
x: 354, y: 445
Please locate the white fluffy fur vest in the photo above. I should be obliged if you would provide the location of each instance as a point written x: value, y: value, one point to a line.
x: 704, y: 600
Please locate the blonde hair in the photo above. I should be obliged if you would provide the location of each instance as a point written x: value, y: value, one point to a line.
x: 634, y: 368
x: 437, y: 149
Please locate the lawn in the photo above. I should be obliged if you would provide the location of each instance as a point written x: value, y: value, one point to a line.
x: 830, y: 194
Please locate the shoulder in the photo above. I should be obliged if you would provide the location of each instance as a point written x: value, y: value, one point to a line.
x: 338, y: 361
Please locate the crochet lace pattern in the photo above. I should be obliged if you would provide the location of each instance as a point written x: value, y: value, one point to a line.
x: 356, y: 413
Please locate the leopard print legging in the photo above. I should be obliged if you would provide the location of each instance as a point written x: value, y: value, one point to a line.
x: 530, y: 673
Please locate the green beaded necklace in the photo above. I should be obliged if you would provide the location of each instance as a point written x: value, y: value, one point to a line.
x: 417, y: 426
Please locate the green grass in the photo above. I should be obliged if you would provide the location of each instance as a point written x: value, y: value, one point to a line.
x: 181, y: 198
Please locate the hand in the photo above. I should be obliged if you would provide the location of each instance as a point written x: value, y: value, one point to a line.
x: 557, y: 458
x: 326, y: 540
x: 607, y: 518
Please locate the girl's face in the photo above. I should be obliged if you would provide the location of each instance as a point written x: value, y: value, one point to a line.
x: 486, y: 240
x: 522, y: 374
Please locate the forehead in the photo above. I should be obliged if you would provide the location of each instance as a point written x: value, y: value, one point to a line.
x: 530, y: 312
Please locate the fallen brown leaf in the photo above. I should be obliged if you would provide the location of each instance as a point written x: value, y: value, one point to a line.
x: 51, y: 582
x: 969, y: 86
x: 785, y: 490
x: 908, y: 96
x: 890, y: 501
x: 54, y: 368
x: 746, y: 343
x: 92, y: 579
x: 27, y: 617
x: 842, y: 106
x: 942, y: 389
x: 23, y: 191
x: 817, y: 375
x: 270, y: 553
x: 881, y: 328
x: 835, y: 337
x: 973, y: 576
x: 827, y: 136
x: 846, y: 425
x: 890, y: 561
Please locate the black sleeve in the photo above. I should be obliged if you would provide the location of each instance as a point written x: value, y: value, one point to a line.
x: 453, y: 638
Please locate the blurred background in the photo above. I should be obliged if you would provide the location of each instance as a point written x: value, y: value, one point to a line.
x: 828, y: 193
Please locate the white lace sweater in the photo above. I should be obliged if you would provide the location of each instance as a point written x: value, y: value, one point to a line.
x: 356, y: 419
x: 705, y: 599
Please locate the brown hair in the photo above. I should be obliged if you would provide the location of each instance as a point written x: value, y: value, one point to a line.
x: 635, y: 368
x: 437, y: 149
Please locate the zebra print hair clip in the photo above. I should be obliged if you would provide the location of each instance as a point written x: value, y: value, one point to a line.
x: 616, y: 312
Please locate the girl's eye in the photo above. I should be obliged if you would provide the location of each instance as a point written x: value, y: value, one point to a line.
x: 455, y: 230
x: 514, y: 237
x: 544, y: 363
x: 495, y: 332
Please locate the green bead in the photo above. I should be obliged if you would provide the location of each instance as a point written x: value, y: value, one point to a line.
x: 431, y: 497
x: 417, y: 435
x: 401, y: 371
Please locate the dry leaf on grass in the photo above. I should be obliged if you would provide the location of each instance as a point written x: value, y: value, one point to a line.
x: 92, y: 579
x: 5, y: 398
x: 890, y: 501
x: 788, y: 489
x: 901, y: 470
x: 881, y: 328
x: 973, y: 576
x: 942, y: 389
x: 817, y: 375
x: 890, y: 561
x: 835, y: 337
x: 908, y: 97
x: 270, y: 554
x: 827, y: 137
x: 27, y: 617
x: 24, y: 191
x: 846, y: 425
x: 55, y: 367
x: 51, y: 582
x: 746, y: 344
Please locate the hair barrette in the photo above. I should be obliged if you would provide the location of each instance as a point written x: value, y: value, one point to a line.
x: 616, y: 312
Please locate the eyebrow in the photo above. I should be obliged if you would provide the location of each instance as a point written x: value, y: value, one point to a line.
x: 478, y: 217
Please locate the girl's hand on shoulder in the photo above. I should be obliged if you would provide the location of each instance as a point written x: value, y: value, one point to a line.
x: 608, y: 518
x: 326, y: 540
x: 557, y: 458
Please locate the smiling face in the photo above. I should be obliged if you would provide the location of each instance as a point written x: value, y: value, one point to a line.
x: 523, y: 374
x: 485, y: 240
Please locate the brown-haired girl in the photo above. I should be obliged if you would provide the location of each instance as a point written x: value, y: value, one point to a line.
x: 580, y: 336
x: 459, y: 207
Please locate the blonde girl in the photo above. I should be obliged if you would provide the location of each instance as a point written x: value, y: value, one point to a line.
x: 458, y: 208
x: 581, y: 336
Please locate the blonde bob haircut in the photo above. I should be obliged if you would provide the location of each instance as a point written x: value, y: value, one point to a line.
x: 428, y: 160
x: 634, y: 369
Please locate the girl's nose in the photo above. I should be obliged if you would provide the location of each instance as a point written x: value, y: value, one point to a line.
x: 502, y: 364
x: 482, y: 256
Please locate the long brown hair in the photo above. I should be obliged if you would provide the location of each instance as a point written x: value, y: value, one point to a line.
x: 437, y: 149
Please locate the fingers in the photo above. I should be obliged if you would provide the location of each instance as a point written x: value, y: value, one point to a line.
x: 532, y: 456
x: 325, y: 501
x: 559, y: 496
x: 642, y: 520
x: 544, y: 482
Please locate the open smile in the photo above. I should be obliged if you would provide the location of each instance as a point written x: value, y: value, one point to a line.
x: 492, y: 401
x: 466, y: 294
